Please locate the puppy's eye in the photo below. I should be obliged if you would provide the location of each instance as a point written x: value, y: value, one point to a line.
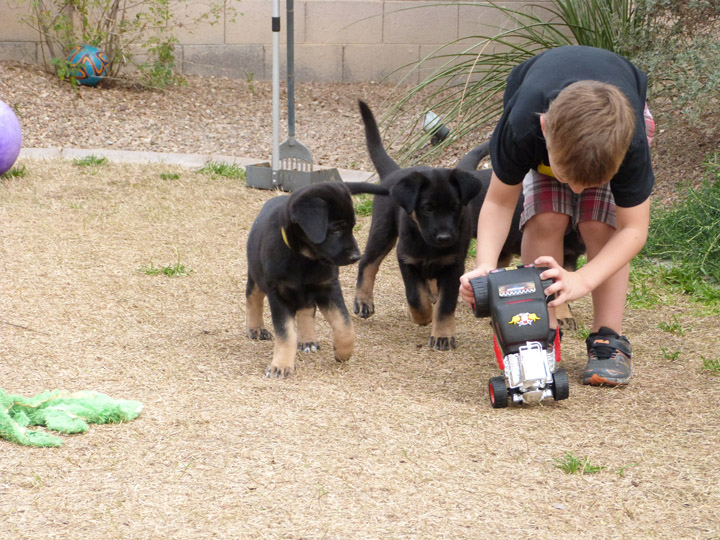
x: 336, y: 228
x: 428, y: 208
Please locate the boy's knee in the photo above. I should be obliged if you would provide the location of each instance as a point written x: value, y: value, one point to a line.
x: 595, y: 229
x: 595, y: 235
x: 547, y: 224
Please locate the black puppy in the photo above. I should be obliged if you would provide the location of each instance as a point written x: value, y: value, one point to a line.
x: 432, y: 214
x: 294, y: 249
x: 428, y: 215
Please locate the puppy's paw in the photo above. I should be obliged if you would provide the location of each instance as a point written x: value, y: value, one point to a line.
x: 442, y: 343
x: 568, y: 324
x: 565, y: 317
x: 308, y: 347
x: 343, y: 351
x: 278, y: 372
x: 362, y: 309
x: 260, y: 334
x: 342, y: 357
x: 423, y: 317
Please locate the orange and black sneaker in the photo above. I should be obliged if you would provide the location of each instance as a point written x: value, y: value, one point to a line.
x: 608, y: 359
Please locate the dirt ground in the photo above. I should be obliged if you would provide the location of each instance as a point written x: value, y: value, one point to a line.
x: 398, y: 443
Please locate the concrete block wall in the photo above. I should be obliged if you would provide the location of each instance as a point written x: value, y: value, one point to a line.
x: 335, y: 40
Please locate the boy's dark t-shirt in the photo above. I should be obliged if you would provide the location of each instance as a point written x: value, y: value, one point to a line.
x: 518, y: 145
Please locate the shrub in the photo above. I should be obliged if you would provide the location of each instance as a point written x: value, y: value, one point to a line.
x: 118, y: 27
x: 678, y: 46
x: 686, y: 234
x: 672, y: 40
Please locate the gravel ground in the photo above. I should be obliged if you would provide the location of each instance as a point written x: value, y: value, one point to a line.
x: 234, y: 117
x: 209, y: 115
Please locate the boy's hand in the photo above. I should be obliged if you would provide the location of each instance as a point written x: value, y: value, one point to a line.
x: 567, y: 286
x: 466, y: 292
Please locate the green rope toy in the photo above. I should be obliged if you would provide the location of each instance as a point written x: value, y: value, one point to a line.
x: 62, y: 411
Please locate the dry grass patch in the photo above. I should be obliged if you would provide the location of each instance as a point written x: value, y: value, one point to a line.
x: 399, y: 443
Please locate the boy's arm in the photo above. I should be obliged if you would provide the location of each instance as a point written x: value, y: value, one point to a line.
x: 493, y: 226
x: 628, y: 240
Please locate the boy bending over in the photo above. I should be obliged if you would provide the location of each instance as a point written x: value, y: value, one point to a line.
x: 574, y: 137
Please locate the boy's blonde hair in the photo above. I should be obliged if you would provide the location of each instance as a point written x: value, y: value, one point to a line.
x: 588, y: 129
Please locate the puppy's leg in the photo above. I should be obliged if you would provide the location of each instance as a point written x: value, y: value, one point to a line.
x: 254, y: 298
x: 335, y: 312
x: 442, y: 337
x: 381, y: 240
x: 307, y: 342
x: 364, y: 303
x: 432, y: 288
x: 283, y: 362
x: 565, y: 317
x: 504, y: 259
x: 417, y: 294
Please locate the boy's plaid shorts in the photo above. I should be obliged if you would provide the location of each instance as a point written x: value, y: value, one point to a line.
x: 545, y: 194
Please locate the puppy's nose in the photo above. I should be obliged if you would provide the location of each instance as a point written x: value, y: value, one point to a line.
x: 444, y: 238
x: 354, y: 256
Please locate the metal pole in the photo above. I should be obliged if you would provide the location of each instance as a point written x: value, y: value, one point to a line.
x: 276, y: 91
x: 291, y: 66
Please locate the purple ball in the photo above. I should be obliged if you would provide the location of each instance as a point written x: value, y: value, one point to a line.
x: 10, y: 137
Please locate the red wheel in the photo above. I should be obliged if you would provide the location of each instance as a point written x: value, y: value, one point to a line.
x: 498, y: 393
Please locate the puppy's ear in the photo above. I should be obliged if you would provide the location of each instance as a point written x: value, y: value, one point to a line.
x: 407, y: 191
x: 311, y: 214
x: 466, y: 183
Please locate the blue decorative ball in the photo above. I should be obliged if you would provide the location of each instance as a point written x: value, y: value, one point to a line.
x: 89, y: 64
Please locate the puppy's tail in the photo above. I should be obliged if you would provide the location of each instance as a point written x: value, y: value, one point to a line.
x: 366, y: 187
x: 384, y: 164
x: 470, y: 161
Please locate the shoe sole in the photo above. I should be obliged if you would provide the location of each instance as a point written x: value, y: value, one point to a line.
x: 597, y: 380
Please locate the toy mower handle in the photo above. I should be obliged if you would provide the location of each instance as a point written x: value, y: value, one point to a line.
x: 481, y: 307
x: 545, y: 283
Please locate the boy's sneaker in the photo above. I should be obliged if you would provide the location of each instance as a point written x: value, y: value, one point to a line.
x: 608, y: 358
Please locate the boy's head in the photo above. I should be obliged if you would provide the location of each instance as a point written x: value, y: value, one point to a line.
x: 588, y: 128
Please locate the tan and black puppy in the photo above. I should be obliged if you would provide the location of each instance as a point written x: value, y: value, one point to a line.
x: 428, y: 216
x: 432, y: 214
x: 294, y: 249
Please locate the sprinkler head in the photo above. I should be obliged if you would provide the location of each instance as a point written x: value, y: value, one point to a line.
x: 432, y: 125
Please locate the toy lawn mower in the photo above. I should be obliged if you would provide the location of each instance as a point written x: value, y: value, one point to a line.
x: 526, y: 349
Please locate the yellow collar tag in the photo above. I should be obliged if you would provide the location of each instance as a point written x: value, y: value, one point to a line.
x: 284, y: 236
x: 544, y: 169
